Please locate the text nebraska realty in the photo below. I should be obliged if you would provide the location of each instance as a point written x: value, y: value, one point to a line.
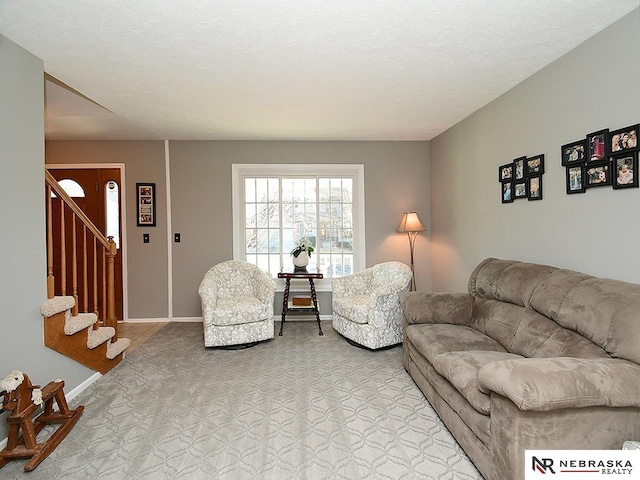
x: 605, y: 467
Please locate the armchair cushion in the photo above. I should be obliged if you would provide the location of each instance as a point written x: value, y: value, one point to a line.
x: 240, y: 310
x: 355, y: 307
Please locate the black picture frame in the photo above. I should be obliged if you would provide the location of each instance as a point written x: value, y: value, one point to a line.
x: 146, y: 204
x: 518, y: 168
x: 534, y: 187
x: 597, y: 146
x: 520, y: 189
x: 618, y: 143
x: 625, y: 170
x: 598, y: 175
x: 574, y: 152
x: 505, y: 172
x: 534, y: 165
x: 576, y: 178
x: 506, y: 192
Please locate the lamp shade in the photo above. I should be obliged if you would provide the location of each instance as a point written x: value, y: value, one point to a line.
x: 410, y: 223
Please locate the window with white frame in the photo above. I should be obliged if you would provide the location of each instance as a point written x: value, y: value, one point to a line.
x: 273, y: 211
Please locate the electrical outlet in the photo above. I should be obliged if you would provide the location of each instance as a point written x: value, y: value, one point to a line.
x: 145, y: 238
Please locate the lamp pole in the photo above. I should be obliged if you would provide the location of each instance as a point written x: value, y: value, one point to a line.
x: 411, y: 225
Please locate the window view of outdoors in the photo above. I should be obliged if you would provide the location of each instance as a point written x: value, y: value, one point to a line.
x: 113, y: 212
x: 279, y: 212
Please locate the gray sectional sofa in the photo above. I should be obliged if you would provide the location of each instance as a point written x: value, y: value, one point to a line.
x: 533, y: 357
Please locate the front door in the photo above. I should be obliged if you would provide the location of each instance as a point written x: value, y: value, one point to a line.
x: 100, y: 198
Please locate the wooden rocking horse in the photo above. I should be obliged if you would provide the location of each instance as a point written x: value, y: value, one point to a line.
x: 22, y: 399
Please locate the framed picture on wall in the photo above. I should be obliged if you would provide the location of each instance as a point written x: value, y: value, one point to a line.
x: 598, y: 175
x: 534, y: 187
x: 518, y: 168
x: 597, y: 145
x: 146, y: 204
x: 625, y: 139
x: 507, y: 192
x: 505, y: 172
x: 573, y: 153
x: 625, y: 170
x: 575, y: 179
x: 534, y: 165
x: 520, y: 189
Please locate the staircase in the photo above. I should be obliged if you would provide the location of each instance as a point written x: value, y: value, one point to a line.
x: 84, y: 337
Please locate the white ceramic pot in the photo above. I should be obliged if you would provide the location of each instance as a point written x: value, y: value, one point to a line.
x: 302, y: 260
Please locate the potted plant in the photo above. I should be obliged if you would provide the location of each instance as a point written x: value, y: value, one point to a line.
x: 301, y: 252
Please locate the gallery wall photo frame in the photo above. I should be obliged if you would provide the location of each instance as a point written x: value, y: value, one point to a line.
x: 520, y: 189
x: 597, y: 146
x: 576, y: 178
x: 505, y: 172
x: 625, y: 170
x: 146, y: 204
x: 507, y: 192
x: 598, y: 175
x: 574, y: 152
x: 534, y: 165
x: 534, y: 187
x: 624, y: 139
x: 518, y: 168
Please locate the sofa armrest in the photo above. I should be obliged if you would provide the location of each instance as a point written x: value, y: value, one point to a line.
x: 426, y: 307
x: 555, y: 383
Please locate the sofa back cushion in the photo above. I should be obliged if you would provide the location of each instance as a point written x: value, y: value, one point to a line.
x: 602, y: 310
x: 528, y: 309
x: 528, y: 333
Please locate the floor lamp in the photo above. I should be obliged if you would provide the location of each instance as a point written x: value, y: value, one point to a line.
x: 411, y: 225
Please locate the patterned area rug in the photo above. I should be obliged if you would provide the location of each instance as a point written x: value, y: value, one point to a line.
x: 300, y: 406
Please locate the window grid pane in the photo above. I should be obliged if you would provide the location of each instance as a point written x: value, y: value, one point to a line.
x: 279, y: 212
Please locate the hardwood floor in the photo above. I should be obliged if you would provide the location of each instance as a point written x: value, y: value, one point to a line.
x: 139, y: 333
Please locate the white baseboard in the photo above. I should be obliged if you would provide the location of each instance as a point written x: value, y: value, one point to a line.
x: 187, y: 319
x: 295, y: 318
x: 82, y: 387
x: 69, y: 396
x: 164, y: 320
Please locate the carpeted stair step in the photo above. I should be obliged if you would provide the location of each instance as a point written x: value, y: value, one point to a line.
x: 56, y: 305
x: 76, y: 324
x: 116, y: 348
x: 99, y: 336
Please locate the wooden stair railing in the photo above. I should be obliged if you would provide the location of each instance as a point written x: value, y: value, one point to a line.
x: 102, y: 246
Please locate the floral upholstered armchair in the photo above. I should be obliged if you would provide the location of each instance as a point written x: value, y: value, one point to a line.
x: 237, y: 304
x: 366, y: 305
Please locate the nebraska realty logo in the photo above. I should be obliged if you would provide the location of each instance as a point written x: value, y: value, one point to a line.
x: 581, y: 464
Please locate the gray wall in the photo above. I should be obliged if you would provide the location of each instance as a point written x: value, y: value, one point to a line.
x: 396, y: 180
x: 22, y: 244
x: 594, y: 86
x: 395, y: 177
x: 147, y: 264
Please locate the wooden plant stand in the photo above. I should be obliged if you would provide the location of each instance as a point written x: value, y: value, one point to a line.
x: 22, y: 407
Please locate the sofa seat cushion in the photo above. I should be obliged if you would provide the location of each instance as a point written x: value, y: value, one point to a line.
x: 461, y: 370
x: 355, y: 307
x: 433, y: 339
x: 239, y: 311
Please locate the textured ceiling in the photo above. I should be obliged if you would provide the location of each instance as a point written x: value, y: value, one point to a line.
x: 291, y: 69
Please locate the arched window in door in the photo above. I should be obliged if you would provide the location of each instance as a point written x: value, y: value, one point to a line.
x: 113, y: 211
x: 71, y: 188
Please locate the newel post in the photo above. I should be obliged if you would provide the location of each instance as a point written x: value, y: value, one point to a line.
x: 112, y: 321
